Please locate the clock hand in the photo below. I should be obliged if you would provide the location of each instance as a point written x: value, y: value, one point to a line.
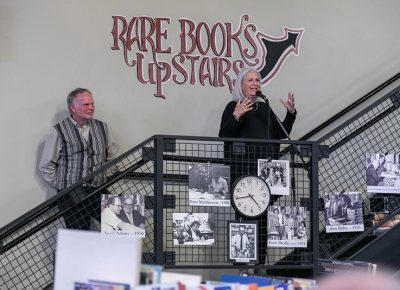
x: 253, y: 199
x: 240, y: 197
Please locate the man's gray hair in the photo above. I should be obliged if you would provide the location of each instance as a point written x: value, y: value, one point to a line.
x: 237, y: 93
x: 72, y: 95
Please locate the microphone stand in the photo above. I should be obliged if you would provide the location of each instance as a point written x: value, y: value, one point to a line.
x: 259, y: 94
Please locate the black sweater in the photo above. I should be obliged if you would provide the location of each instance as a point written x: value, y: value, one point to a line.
x: 254, y: 124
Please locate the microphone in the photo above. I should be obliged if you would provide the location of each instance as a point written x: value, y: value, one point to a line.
x: 260, y: 95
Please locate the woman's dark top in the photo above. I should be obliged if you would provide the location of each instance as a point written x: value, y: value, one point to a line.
x: 260, y: 123
x: 253, y: 124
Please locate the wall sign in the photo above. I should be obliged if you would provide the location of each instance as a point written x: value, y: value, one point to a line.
x: 202, y: 53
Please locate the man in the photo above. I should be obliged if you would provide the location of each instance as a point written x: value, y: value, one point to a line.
x: 342, y: 207
x: 74, y: 148
x: 281, y: 176
x: 373, y: 178
x: 219, y: 188
x: 333, y: 205
x: 109, y: 218
x: 193, y: 233
x: 281, y: 222
x: 240, y: 243
x: 129, y: 215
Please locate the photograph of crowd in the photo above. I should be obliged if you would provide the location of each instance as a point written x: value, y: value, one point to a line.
x: 242, y: 242
x: 383, y: 172
x: 209, y: 184
x: 276, y: 175
x: 343, y: 212
x: 287, y: 226
x: 193, y: 229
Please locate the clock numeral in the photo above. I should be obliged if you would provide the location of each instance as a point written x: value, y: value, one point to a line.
x: 245, y: 208
x: 259, y: 207
x: 236, y: 196
x: 238, y: 189
x: 251, y: 210
x: 263, y: 202
x: 264, y: 194
x: 262, y: 187
x: 239, y: 204
x: 249, y: 180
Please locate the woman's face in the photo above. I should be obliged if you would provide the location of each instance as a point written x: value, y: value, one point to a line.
x: 250, y: 85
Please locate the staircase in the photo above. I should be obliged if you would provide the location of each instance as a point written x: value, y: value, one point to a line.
x: 157, y: 168
x: 372, y: 129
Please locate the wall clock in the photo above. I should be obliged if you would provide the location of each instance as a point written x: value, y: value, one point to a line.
x: 251, y: 196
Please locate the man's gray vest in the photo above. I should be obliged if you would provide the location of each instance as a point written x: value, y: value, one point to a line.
x: 78, y: 157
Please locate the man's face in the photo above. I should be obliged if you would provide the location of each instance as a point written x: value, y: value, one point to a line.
x: 128, y: 205
x: 195, y: 227
x: 116, y: 207
x: 82, y: 108
x: 342, y: 201
x: 241, y: 231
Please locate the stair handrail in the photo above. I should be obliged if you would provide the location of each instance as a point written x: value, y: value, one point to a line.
x: 352, y: 106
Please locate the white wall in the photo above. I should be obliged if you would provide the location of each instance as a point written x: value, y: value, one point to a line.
x: 49, y: 47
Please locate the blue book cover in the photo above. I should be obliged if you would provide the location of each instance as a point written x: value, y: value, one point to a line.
x: 90, y: 286
x: 233, y: 278
x: 112, y: 285
x: 282, y: 286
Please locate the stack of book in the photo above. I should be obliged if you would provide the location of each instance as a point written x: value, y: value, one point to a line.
x: 355, y: 215
x: 153, y: 278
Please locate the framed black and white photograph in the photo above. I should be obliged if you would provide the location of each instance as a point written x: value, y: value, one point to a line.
x: 242, y: 242
x: 209, y: 184
x: 133, y: 209
x: 276, y: 174
x: 287, y: 227
x: 383, y: 172
x: 191, y: 229
x: 122, y: 215
x: 343, y: 212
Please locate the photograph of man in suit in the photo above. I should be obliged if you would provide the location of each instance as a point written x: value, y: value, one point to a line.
x: 333, y: 205
x: 342, y: 207
x: 241, y: 243
x: 129, y: 215
x: 109, y: 217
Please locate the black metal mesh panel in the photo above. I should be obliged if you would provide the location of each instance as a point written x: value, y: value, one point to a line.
x: 374, y: 130
x: 158, y: 170
x: 28, y: 244
x: 189, y: 152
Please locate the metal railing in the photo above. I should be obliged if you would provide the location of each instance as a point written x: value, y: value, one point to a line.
x: 158, y: 169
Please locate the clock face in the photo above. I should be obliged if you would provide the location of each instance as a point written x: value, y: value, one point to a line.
x: 250, y: 195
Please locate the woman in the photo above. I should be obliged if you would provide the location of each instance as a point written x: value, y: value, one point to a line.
x: 248, y: 117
